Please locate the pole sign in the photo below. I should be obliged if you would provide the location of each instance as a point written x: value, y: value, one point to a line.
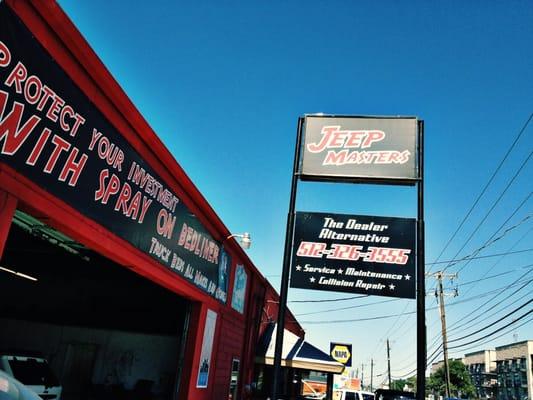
x: 341, y: 352
x: 52, y: 134
x: 360, y: 149
x: 355, y: 254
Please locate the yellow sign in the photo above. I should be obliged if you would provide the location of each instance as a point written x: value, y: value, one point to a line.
x: 341, y: 353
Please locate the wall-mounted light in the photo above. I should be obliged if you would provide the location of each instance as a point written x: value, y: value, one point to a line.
x: 245, y: 239
x: 19, y: 274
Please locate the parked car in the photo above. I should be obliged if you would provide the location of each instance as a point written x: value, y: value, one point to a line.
x: 317, y: 396
x: 389, y: 394
x: 11, y: 389
x: 347, y: 394
x: 33, y: 372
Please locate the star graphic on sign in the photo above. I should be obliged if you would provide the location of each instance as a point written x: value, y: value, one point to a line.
x: 298, y: 268
x: 340, y: 271
x: 312, y: 279
x: 407, y: 277
x: 391, y: 286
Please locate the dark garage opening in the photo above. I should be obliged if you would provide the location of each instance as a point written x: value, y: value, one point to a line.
x: 106, y: 331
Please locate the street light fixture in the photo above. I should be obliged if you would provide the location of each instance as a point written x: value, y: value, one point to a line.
x: 245, y: 239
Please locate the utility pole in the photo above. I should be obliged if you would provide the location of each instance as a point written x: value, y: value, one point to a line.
x: 440, y: 293
x: 362, y: 374
x: 388, y: 363
x: 444, y: 337
x: 371, y: 374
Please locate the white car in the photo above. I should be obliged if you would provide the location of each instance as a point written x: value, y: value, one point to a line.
x: 33, y: 372
x: 346, y: 394
x: 11, y: 389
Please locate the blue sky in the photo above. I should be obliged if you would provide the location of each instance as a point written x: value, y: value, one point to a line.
x: 224, y: 82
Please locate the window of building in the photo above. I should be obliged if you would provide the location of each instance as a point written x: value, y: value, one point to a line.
x: 234, y: 380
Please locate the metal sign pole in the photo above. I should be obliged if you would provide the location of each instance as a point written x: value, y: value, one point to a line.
x: 421, y: 284
x: 286, y: 265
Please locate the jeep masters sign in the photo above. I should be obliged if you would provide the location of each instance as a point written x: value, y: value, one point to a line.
x: 355, y: 254
x: 359, y: 149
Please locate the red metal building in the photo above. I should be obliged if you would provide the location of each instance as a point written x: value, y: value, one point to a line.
x: 114, y: 266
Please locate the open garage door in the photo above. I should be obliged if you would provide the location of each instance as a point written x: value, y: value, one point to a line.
x: 106, y: 331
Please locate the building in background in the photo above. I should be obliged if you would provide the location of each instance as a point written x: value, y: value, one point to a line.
x: 482, y: 368
x: 440, y: 364
x: 505, y: 373
x: 514, y: 364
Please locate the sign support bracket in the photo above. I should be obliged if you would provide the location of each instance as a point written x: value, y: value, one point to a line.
x: 420, y: 278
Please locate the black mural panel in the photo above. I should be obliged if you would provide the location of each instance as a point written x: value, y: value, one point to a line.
x: 355, y: 254
x: 51, y: 133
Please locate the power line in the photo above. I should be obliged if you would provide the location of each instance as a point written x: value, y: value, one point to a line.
x: 434, y: 355
x: 440, y: 345
x: 495, y: 331
x: 492, y: 323
x: 486, y: 185
x: 499, y: 336
x: 498, y: 261
x: 437, y: 337
x: 515, y: 283
x: 507, y: 287
x: 480, y: 257
x: 488, y: 335
x: 404, y: 321
x: 494, y: 205
x: 329, y: 310
x: 495, y: 305
x: 484, y: 278
x: 405, y: 313
x: 512, y: 284
x: 479, y: 296
x: 346, y: 308
x: 479, y: 197
x: 390, y: 328
x: 355, y: 320
x: 490, y: 240
x: 413, y: 371
x: 491, y: 315
x: 438, y: 353
x: 405, y: 336
x: 414, y: 362
x: 329, y: 300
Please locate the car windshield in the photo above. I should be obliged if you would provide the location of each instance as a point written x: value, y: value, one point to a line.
x: 368, y: 396
x: 30, y: 371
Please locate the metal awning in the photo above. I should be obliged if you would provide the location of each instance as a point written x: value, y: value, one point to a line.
x: 296, y: 353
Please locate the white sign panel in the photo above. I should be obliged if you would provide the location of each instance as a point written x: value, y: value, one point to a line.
x: 360, y: 148
x: 207, y: 349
